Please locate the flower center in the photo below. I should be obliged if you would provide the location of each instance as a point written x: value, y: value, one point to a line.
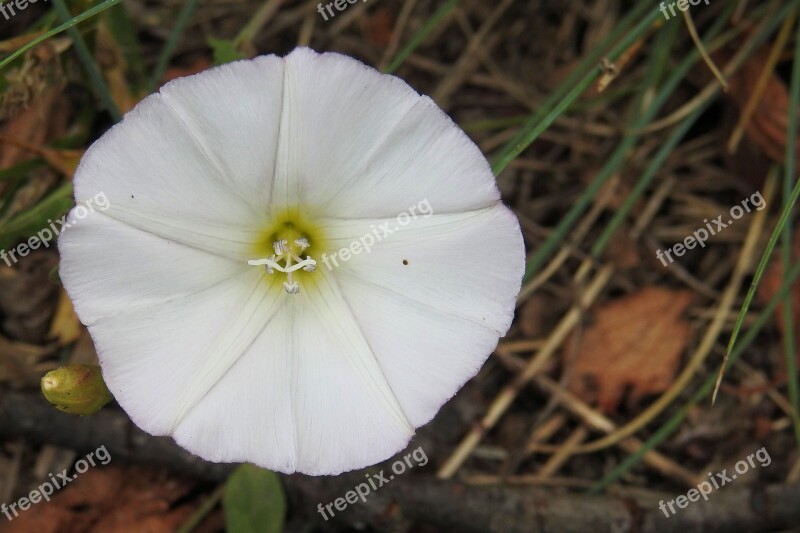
x: 290, y: 254
x: 286, y: 246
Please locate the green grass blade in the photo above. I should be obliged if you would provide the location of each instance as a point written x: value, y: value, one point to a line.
x: 574, y: 85
x: 169, y: 48
x: 20, y: 170
x: 612, y: 165
x: 30, y: 221
x: 790, y: 175
x: 124, y: 31
x: 420, y: 36
x: 762, y: 263
x: 89, y: 64
x: 89, y: 13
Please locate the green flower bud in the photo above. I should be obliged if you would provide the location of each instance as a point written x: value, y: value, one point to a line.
x: 76, y: 389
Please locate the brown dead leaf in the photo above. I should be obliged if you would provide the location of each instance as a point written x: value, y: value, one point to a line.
x: 768, y: 124
x: 18, y: 361
x: 10, y: 45
x: 29, y: 127
x: 636, y: 341
x: 33, y: 103
x: 84, y: 353
x: 26, y: 308
x: 199, y: 64
x: 537, y: 314
x: 770, y: 284
x: 65, y: 327
x: 772, y: 281
x: 379, y: 26
x: 111, y: 499
x: 112, y: 62
x: 622, y: 250
x: 64, y: 161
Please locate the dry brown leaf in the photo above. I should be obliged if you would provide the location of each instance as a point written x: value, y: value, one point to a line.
x: 33, y: 103
x: 199, y: 64
x: 622, y: 250
x: 18, y: 361
x: 84, y: 353
x: 112, y: 62
x: 110, y: 499
x: 537, y: 314
x: 772, y: 281
x: 379, y: 27
x: 767, y: 126
x: 12, y: 44
x: 635, y: 342
x: 64, y: 161
x: 65, y: 327
x: 29, y: 296
x: 770, y: 284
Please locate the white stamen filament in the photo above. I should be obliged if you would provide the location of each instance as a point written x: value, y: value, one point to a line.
x: 285, y: 253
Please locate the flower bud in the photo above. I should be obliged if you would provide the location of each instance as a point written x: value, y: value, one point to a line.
x: 76, y: 389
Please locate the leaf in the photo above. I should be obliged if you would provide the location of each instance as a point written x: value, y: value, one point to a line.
x: 636, y: 342
x: 536, y: 315
x: 379, y: 26
x: 64, y: 161
x: 112, y: 61
x: 108, y: 498
x: 769, y: 286
x: 38, y: 217
x: 89, y: 13
x: 767, y: 127
x: 199, y: 64
x: 254, y: 501
x: 65, y: 327
x: 224, y: 50
x: 19, y: 359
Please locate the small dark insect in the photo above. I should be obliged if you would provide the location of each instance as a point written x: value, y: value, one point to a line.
x: 405, y: 261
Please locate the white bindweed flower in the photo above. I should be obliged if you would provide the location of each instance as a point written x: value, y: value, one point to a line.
x: 203, y: 287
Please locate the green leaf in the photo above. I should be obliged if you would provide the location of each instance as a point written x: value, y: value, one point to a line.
x: 172, y: 43
x: 224, y: 50
x: 37, y: 218
x: 124, y: 32
x: 254, y: 501
x: 421, y: 35
x: 89, y: 13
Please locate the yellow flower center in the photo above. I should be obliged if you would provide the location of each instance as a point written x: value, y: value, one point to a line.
x: 286, y: 247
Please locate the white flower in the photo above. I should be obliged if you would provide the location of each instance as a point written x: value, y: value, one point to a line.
x: 225, y: 183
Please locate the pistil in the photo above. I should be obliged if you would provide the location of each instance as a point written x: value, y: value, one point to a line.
x: 292, y: 262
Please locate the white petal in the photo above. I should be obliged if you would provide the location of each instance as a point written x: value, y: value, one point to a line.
x: 160, y: 361
x: 366, y: 144
x: 234, y: 112
x: 308, y: 395
x: 248, y: 415
x: 467, y: 265
x: 108, y: 267
x: 204, y: 146
x: 232, y: 242
x: 348, y: 417
x: 431, y: 298
x: 426, y: 355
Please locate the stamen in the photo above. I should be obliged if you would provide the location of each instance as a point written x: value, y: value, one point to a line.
x: 292, y: 262
x: 294, y: 288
